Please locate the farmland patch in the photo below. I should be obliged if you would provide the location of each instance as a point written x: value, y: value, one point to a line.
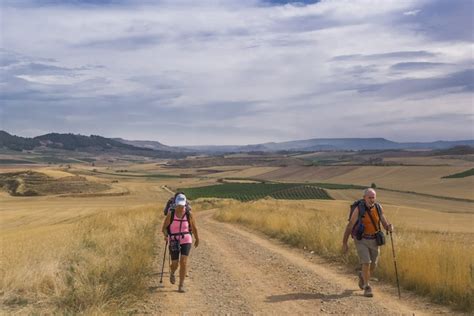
x: 254, y: 191
x: 31, y: 183
x: 463, y: 174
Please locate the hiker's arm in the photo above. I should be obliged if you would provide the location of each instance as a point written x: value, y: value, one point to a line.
x: 349, y: 226
x: 195, y: 231
x: 384, y: 221
x: 166, y: 223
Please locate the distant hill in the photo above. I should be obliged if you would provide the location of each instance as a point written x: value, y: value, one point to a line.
x: 17, y: 143
x: 96, y: 143
x: 81, y: 143
x: 77, y: 142
x: 439, y: 144
x: 334, y: 144
x: 456, y: 150
x: 154, y: 145
x: 321, y: 144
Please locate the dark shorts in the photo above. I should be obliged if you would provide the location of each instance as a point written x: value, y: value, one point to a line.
x: 185, y: 249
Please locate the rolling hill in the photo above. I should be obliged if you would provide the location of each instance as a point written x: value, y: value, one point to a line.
x: 153, y: 148
x: 334, y: 144
x: 81, y: 143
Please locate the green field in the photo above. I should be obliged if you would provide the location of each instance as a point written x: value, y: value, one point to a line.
x: 464, y: 174
x: 255, y: 191
x: 15, y: 162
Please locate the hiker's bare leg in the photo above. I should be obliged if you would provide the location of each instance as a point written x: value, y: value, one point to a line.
x: 366, y: 273
x: 182, y: 268
x: 187, y: 266
x: 174, y: 266
x: 373, y: 265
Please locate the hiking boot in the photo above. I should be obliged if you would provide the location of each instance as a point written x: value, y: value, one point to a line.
x: 368, y: 291
x: 361, y: 280
x: 181, y: 288
x: 172, y: 278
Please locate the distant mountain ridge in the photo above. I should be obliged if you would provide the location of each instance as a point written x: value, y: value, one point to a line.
x: 316, y: 144
x: 150, y: 144
x: 334, y: 144
x: 75, y: 142
x: 157, y: 149
x: 16, y: 142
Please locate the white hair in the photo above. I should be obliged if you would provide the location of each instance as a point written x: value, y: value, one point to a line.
x: 366, y: 191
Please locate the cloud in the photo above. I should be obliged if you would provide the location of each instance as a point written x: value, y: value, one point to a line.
x: 294, y: 2
x: 126, y: 42
x: 8, y: 58
x: 442, y: 20
x: 459, y: 82
x: 187, y: 72
x: 439, y: 118
x: 72, y: 3
x: 390, y: 55
x: 416, y: 65
x: 412, y: 12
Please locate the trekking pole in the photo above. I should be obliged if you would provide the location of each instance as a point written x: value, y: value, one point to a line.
x: 395, y: 263
x: 163, y: 265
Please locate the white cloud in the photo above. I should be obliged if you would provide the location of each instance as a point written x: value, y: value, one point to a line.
x: 51, y: 80
x: 243, y: 65
x: 412, y: 12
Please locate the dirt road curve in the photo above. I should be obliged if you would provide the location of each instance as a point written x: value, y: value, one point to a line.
x: 237, y: 272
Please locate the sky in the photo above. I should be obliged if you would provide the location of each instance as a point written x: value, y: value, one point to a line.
x: 238, y: 72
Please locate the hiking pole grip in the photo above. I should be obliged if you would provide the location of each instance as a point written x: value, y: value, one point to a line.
x: 163, y: 264
x: 395, y: 264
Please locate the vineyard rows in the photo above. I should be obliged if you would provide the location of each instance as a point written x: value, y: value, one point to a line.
x: 255, y: 191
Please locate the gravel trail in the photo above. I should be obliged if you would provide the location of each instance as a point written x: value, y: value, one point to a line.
x: 235, y: 271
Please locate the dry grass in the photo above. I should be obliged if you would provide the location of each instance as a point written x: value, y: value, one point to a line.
x: 417, y: 178
x: 55, y: 173
x: 97, y: 264
x: 422, y: 179
x: 32, y: 183
x: 90, y: 255
x: 438, y: 265
x: 420, y: 213
x: 436, y: 160
x: 247, y: 172
x: 307, y: 173
x: 69, y: 255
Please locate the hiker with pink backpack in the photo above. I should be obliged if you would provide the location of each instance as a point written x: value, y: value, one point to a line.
x: 179, y: 230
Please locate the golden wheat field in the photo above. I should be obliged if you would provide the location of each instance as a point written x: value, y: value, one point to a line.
x: 421, y: 179
x: 88, y: 265
x: 91, y: 253
x: 244, y: 172
x: 437, y: 264
x: 423, y: 161
x: 415, y: 201
x: 72, y: 254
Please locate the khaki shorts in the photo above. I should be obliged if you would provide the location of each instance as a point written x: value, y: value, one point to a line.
x: 367, y: 250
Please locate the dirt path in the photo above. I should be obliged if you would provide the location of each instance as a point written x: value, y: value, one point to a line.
x: 235, y: 271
